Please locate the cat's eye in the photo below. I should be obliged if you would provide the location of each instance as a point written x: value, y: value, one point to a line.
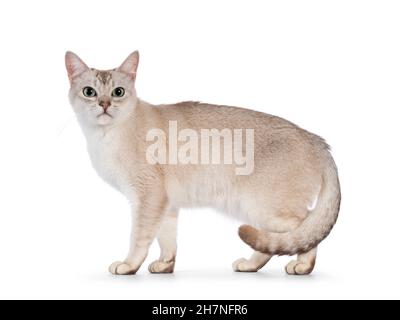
x: 89, y: 92
x: 118, y: 92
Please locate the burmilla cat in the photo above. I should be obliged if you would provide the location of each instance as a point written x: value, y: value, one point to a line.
x: 290, y: 200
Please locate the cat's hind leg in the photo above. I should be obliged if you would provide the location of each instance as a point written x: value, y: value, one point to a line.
x: 259, y: 259
x: 167, y: 241
x: 304, y: 264
x: 255, y: 263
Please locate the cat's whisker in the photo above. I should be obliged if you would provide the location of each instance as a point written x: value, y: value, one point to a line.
x: 64, y: 126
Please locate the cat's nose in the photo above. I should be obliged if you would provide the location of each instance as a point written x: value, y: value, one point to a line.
x: 104, y: 103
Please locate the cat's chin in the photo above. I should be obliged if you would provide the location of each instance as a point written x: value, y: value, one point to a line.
x: 104, y: 119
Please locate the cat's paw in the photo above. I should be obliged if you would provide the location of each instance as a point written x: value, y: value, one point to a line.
x: 298, y: 268
x: 162, y: 267
x: 244, y: 265
x: 121, y: 268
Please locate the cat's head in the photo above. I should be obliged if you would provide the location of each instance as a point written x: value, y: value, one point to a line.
x: 102, y: 98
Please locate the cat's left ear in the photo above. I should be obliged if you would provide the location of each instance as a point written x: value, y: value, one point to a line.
x: 130, y: 64
x: 75, y: 66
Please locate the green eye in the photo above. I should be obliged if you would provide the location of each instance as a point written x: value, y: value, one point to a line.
x: 118, y: 92
x: 89, y: 92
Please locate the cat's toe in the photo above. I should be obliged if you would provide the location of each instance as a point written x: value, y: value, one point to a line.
x: 121, y: 268
x: 236, y: 264
x: 162, y: 267
x: 244, y: 265
x: 298, y: 268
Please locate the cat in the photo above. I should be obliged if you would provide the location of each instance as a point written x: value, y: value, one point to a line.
x: 289, y: 198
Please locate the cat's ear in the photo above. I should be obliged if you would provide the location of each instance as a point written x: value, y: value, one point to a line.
x: 130, y: 64
x: 75, y: 66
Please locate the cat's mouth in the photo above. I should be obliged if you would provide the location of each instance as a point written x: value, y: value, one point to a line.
x: 105, y: 113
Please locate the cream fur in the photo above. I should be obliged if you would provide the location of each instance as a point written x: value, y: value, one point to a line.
x: 292, y: 197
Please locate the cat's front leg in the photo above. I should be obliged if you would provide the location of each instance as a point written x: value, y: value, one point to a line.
x: 167, y: 241
x: 147, y: 217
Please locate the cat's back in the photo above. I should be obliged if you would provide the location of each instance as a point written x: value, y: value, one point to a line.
x: 212, y: 115
x: 267, y: 127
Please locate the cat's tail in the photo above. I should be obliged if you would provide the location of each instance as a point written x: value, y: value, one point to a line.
x: 311, y: 232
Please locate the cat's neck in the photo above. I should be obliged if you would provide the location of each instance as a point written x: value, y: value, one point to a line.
x: 98, y: 131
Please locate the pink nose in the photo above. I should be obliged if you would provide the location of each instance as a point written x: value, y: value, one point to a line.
x: 105, y: 103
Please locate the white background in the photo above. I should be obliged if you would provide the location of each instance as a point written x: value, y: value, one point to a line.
x: 333, y: 67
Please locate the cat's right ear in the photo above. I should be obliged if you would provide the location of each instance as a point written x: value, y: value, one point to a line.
x: 130, y: 65
x: 75, y: 66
